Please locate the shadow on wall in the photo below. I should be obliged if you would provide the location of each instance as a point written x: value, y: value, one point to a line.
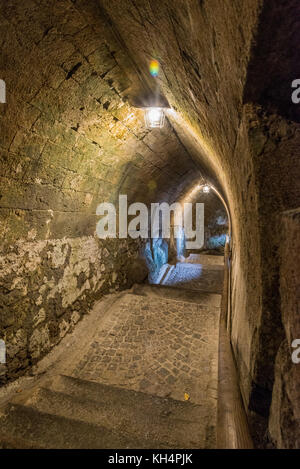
x: 216, y: 224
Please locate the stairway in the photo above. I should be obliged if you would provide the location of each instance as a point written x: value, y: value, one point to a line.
x: 197, y: 272
x: 147, y: 379
x: 74, y: 413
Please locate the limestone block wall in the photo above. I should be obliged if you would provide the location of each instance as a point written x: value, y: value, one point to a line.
x: 69, y: 140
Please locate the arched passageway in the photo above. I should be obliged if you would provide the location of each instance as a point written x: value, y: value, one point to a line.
x: 73, y: 136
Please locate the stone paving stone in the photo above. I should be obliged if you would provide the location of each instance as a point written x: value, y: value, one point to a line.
x: 158, y: 346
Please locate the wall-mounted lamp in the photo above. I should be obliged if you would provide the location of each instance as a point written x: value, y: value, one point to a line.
x: 154, y: 107
x: 154, y: 117
x: 206, y: 189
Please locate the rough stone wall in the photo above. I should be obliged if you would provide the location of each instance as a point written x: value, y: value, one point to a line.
x: 215, y: 222
x: 69, y: 141
x: 272, y: 142
x: 284, y: 423
x: 273, y: 135
x: 48, y: 285
x: 227, y: 72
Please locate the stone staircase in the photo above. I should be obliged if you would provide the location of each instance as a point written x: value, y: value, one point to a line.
x: 194, y: 273
x: 73, y: 413
x: 147, y: 379
x: 204, y: 298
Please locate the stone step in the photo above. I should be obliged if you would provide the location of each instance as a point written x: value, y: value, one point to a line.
x: 205, y: 260
x: 9, y: 442
x: 27, y: 427
x: 164, y: 420
x: 74, y: 413
x: 178, y: 294
x: 195, y: 277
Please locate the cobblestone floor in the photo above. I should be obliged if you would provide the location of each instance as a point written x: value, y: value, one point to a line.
x: 157, y: 345
x: 161, y: 347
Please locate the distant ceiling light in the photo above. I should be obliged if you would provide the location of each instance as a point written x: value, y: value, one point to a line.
x: 155, y: 117
x: 206, y: 189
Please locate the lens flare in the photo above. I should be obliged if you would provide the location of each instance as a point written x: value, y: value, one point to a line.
x: 154, y: 68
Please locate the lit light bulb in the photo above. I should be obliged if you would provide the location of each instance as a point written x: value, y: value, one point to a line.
x: 155, y: 117
x: 206, y: 189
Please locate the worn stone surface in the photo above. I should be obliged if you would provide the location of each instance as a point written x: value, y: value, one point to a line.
x: 161, y: 347
x: 138, y: 368
x: 158, y: 346
x: 71, y: 413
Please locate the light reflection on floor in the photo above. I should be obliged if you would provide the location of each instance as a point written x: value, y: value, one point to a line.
x: 192, y: 275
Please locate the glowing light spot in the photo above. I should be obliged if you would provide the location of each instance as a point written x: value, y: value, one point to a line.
x: 152, y: 185
x: 154, y: 68
x: 154, y: 117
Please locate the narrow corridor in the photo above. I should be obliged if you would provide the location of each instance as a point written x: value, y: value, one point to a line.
x: 140, y: 142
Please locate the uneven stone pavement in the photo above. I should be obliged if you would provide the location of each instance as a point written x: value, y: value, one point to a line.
x: 146, y: 377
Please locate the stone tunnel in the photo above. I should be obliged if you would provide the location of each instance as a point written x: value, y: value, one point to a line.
x: 211, y: 332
